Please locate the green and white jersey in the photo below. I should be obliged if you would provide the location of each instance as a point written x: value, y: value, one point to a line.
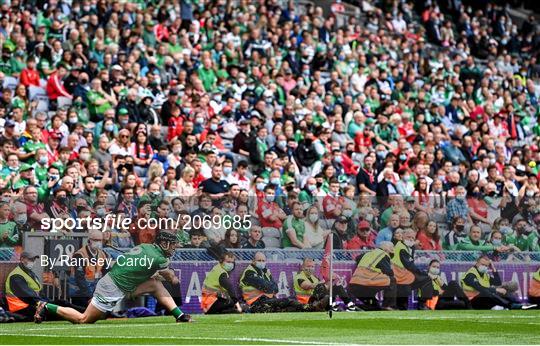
x: 137, y: 266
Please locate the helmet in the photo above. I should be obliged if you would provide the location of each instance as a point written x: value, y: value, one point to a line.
x: 164, y: 236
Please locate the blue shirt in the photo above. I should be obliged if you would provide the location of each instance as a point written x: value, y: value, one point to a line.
x: 385, y: 234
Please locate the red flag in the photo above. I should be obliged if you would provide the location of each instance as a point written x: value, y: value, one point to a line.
x: 325, y: 264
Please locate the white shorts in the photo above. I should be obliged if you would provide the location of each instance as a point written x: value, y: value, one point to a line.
x: 106, y: 295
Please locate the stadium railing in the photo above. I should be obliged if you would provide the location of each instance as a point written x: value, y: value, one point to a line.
x: 276, y: 255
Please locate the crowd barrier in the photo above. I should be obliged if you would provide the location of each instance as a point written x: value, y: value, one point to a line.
x: 191, y: 266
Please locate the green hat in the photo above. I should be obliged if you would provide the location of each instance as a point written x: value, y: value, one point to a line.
x: 25, y: 167
x: 9, y: 45
x: 369, y: 121
x: 122, y: 111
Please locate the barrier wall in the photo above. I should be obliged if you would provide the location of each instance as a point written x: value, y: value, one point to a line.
x: 192, y: 275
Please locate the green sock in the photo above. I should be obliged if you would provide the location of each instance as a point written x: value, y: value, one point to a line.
x: 176, y: 312
x: 51, y: 308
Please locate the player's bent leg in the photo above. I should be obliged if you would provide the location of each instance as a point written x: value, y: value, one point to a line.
x: 156, y: 288
x: 90, y: 315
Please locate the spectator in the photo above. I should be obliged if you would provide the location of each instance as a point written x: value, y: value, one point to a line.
x: 429, y: 238
x: 456, y: 234
x: 364, y: 238
x: 254, y: 241
x: 231, y: 239
x: 314, y: 235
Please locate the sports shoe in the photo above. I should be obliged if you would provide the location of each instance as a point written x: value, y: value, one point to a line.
x: 184, y: 318
x: 353, y: 308
x: 335, y: 306
x: 41, y: 312
x: 497, y: 308
x: 528, y: 306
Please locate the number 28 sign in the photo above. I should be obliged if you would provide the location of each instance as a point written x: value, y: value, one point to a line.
x: 61, y: 250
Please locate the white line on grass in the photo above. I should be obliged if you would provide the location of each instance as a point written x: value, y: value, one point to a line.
x: 298, y: 342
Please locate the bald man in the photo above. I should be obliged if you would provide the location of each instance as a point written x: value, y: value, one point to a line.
x: 408, y: 276
x: 310, y: 290
x: 259, y: 289
x: 374, y: 274
x: 84, y: 276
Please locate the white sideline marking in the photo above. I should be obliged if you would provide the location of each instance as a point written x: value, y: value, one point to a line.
x: 298, y: 342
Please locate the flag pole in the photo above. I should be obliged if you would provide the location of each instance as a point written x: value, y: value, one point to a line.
x: 331, y: 274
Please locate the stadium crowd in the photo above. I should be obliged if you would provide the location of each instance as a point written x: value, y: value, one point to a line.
x: 413, y: 126
x: 416, y: 116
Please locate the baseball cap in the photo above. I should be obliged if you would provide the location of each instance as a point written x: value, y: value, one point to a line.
x: 342, y: 219
x: 25, y: 167
x: 29, y: 254
x: 117, y: 68
x: 55, y: 134
x: 363, y: 224
x: 122, y: 111
x: 9, y: 123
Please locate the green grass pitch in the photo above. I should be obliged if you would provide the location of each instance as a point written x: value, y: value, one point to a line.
x: 400, y: 327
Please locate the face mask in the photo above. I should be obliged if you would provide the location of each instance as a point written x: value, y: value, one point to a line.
x: 338, y: 159
x: 21, y: 219
x: 199, y: 120
x: 434, y: 271
x: 227, y: 170
x: 381, y: 154
x: 30, y: 265
x: 124, y: 122
x: 270, y: 198
x: 154, y: 194
x: 228, y: 266
x: 409, y: 243
x: 73, y: 120
x: 275, y: 181
x: 260, y: 265
x: 347, y: 213
x: 461, y: 197
x: 282, y: 144
x: 43, y: 160
x: 496, y: 242
x: 319, y: 184
x: 482, y: 269
x: 96, y: 245
x: 84, y: 157
x: 311, y: 187
x: 260, y: 186
x: 403, y: 157
x: 506, y: 230
x: 241, y: 81
x: 213, y: 127
x: 109, y: 128
x: 460, y: 227
x: 101, y: 212
x: 530, y: 193
x: 313, y: 218
x: 406, y: 178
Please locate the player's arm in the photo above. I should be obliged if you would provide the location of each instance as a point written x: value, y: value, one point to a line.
x: 168, y: 275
